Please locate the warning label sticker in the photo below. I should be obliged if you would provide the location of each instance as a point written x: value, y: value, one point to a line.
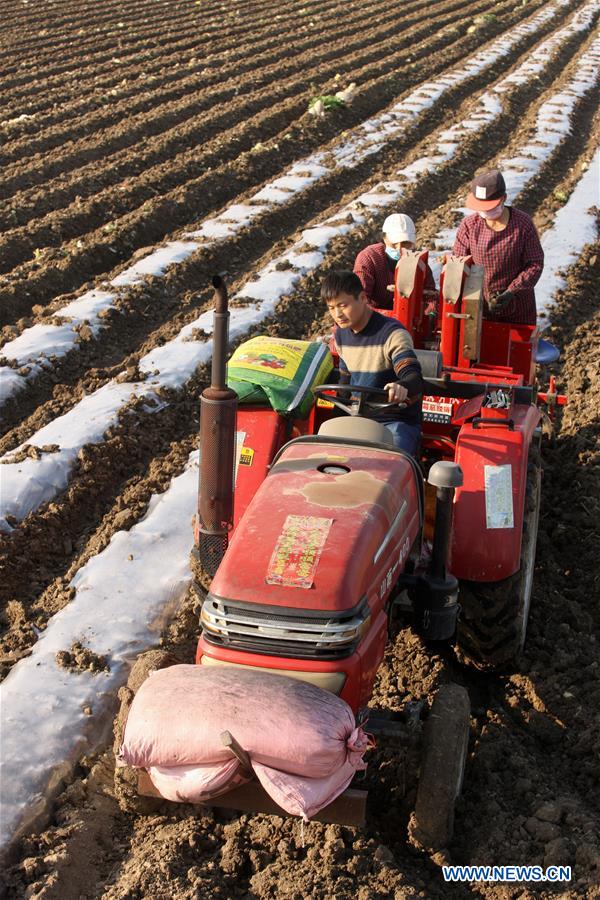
x: 498, y: 496
x: 298, y: 550
x: 246, y: 456
x: 435, y: 410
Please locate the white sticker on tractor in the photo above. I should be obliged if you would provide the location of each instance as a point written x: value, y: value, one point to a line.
x: 498, y: 496
x: 435, y: 410
x: 240, y: 437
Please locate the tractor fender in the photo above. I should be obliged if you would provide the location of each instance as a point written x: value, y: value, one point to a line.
x: 488, y: 508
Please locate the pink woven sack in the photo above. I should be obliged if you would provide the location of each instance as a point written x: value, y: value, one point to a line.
x: 303, y: 743
x: 179, y: 713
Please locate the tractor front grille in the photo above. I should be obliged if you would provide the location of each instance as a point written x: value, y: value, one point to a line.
x: 271, y: 631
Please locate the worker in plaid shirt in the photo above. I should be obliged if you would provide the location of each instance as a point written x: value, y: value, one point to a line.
x: 504, y: 241
x: 376, y: 264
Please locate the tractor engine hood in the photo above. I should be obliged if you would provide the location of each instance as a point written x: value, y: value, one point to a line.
x: 307, y: 559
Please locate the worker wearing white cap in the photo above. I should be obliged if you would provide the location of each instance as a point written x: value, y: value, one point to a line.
x: 376, y: 264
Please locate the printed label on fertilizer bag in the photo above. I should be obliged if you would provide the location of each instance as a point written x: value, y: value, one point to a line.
x: 279, y: 372
x: 270, y: 355
x: 298, y: 550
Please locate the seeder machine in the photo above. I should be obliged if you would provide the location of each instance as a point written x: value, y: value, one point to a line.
x: 334, y: 532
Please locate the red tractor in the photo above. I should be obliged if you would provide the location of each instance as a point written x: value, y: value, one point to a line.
x: 335, y: 532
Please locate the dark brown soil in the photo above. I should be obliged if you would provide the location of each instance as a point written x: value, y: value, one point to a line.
x: 147, y: 123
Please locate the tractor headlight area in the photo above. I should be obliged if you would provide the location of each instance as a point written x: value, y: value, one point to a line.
x: 283, y: 632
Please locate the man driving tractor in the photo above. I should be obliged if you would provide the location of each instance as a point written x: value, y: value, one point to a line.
x: 377, y: 352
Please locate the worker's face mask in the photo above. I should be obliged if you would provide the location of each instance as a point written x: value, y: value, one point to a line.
x: 393, y: 253
x: 494, y: 213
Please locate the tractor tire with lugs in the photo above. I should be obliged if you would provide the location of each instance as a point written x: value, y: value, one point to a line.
x: 493, y: 620
x: 444, y: 754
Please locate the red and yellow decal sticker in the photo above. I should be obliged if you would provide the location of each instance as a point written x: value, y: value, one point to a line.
x: 298, y: 550
x: 246, y: 456
x: 324, y: 404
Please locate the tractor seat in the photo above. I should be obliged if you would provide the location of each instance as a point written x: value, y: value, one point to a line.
x: 358, y: 428
x: 546, y: 353
x: 431, y: 362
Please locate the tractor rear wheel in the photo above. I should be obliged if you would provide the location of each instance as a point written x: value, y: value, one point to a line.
x: 126, y: 778
x: 493, y: 621
x: 445, y: 742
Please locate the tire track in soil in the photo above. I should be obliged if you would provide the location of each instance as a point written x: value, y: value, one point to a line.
x: 42, y: 281
x: 248, y: 248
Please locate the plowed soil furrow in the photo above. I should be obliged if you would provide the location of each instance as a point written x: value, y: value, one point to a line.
x: 183, y: 69
x: 268, y: 66
x: 530, y: 789
x: 162, y: 43
x: 62, y: 16
x: 517, y: 759
x: 165, y: 67
x: 80, y: 149
x: 164, y: 31
x: 61, y: 30
x: 550, y: 188
x: 18, y: 245
x: 40, y: 285
x: 55, y: 194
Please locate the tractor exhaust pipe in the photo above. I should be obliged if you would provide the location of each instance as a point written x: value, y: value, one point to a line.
x: 218, y: 410
x: 436, y: 607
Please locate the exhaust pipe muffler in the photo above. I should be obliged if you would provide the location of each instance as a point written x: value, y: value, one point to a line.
x: 218, y: 411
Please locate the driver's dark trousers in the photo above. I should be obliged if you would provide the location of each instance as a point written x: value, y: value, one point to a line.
x: 407, y: 435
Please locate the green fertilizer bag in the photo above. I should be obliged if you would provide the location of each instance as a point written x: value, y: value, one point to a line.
x: 279, y: 372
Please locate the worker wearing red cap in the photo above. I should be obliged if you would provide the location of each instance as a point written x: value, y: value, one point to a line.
x: 376, y: 264
x: 504, y: 241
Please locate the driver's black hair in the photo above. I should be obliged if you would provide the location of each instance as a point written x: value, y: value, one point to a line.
x: 340, y: 281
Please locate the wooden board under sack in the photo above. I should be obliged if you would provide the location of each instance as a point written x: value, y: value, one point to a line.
x: 347, y: 809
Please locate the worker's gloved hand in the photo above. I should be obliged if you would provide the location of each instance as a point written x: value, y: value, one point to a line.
x: 500, y: 301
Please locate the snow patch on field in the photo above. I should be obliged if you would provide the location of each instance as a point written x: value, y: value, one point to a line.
x: 29, y: 483
x: 123, y: 598
x: 574, y: 227
x: 156, y: 263
x: 370, y: 137
x: 551, y: 127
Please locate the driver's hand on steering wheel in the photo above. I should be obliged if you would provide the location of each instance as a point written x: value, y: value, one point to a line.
x: 397, y: 393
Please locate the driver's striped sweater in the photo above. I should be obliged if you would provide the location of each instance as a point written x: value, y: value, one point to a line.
x: 380, y: 353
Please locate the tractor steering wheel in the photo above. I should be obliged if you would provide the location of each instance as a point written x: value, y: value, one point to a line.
x: 361, y: 406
